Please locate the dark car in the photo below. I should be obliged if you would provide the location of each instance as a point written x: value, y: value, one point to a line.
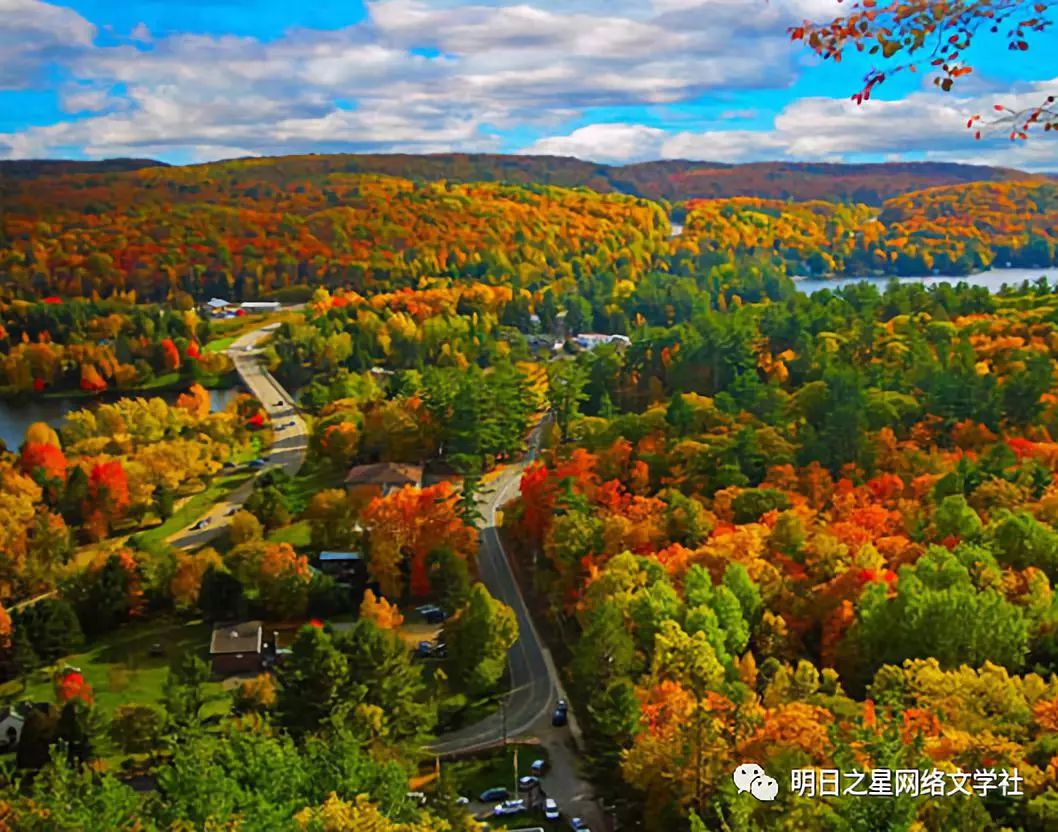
x: 201, y: 524
x: 495, y: 793
x: 539, y: 767
x: 432, y: 614
x: 561, y: 715
x: 233, y: 510
x: 279, y: 403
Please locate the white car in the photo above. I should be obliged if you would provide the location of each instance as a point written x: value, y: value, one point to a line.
x: 550, y: 809
x: 509, y: 807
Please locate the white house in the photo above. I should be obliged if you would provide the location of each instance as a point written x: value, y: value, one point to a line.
x: 261, y: 306
x: 590, y: 340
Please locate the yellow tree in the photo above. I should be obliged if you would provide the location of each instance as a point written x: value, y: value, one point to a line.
x: 380, y: 612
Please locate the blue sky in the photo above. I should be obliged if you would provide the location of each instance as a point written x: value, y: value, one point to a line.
x: 607, y: 80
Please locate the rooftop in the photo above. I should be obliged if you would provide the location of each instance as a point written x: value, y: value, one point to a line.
x: 384, y: 473
x: 339, y: 556
x: 244, y: 637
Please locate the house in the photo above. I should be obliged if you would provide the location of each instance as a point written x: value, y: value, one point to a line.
x: 237, y: 648
x: 11, y: 729
x: 343, y: 566
x: 590, y: 340
x: 386, y: 476
x: 260, y: 306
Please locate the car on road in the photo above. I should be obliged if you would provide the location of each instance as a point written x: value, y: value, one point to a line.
x: 201, y: 524
x: 250, y: 348
x: 432, y: 614
x: 495, y: 793
x: 528, y: 783
x: 578, y: 825
x: 561, y: 715
x: 462, y: 801
x: 551, y: 809
x: 509, y: 807
x: 538, y: 767
x: 278, y: 403
x: 233, y: 510
x: 256, y: 463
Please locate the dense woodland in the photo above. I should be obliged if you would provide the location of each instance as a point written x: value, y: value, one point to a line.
x: 810, y: 531
x: 262, y: 228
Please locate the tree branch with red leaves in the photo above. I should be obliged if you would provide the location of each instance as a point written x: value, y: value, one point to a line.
x: 935, y: 36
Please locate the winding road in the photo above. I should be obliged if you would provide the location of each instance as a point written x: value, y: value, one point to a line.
x: 288, y: 449
x: 534, y: 681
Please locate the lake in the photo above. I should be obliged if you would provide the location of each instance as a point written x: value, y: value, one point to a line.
x: 16, y: 416
x: 992, y: 280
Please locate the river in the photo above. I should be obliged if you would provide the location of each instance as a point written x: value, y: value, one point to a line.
x: 17, y: 415
x: 992, y: 280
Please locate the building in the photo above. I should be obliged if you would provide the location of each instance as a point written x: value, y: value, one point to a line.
x: 11, y: 729
x: 261, y: 306
x: 590, y: 340
x: 346, y: 567
x: 386, y: 476
x: 237, y: 648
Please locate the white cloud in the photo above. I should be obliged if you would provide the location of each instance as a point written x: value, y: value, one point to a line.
x: 34, y: 34
x: 603, y: 143
x: 433, y: 75
x: 926, y: 124
x: 500, y: 65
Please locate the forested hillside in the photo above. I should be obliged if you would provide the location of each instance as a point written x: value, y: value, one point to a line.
x: 248, y: 228
x: 257, y: 228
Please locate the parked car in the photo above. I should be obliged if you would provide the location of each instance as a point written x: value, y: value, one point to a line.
x: 495, y: 793
x: 561, y: 715
x: 440, y: 650
x: 201, y: 524
x: 417, y: 797
x: 528, y: 783
x: 432, y: 614
x: 578, y: 825
x: 509, y: 807
x: 538, y: 767
x: 423, y: 650
x: 551, y: 809
x: 462, y: 801
x: 279, y: 403
x: 233, y: 510
x: 256, y: 463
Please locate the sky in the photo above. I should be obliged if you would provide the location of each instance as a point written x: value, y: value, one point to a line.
x: 613, y: 81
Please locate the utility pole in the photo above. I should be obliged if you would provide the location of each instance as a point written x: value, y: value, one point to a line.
x: 516, y: 771
x: 503, y: 711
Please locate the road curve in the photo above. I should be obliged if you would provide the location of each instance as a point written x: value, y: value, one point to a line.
x: 533, y: 678
x: 288, y: 449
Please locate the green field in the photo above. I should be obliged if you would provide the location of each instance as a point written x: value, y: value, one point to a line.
x: 121, y: 669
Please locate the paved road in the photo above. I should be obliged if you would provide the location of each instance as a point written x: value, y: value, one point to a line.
x: 287, y: 452
x: 535, y: 686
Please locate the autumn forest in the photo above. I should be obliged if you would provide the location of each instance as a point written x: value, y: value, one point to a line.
x: 813, y: 531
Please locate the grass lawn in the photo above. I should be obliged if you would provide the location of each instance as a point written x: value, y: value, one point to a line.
x: 296, y: 534
x: 220, y: 344
x: 121, y: 670
x: 197, y: 505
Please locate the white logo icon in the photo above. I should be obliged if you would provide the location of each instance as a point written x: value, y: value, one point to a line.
x: 749, y: 777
